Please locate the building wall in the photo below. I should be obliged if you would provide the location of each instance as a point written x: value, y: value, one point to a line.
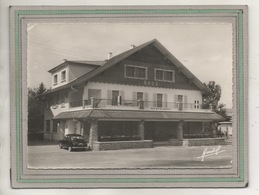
x: 77, y: 70
x: 59, y: 81
x: 75, y: 96
x: 226, y: 127
x: 63, y: 127
x: 51, y: 135
x: 72, y: 126
x: 72, y: 72
x: 128, y: 91
x: 149, y: 58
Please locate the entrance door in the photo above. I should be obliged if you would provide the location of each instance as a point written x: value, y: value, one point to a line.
x: 115, y: 95
x: 159, y: 102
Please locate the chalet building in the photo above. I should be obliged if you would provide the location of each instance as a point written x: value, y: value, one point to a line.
x: 131, y: 100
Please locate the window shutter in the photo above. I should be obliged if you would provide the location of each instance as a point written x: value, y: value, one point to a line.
x: 134, y: 98
x: 109, y: 97
x: 122, y: 97
x: 154, y: 99
x: 175, y: 101
x: 185, y: 101
x: 146, y: 99
x: 165, y: 100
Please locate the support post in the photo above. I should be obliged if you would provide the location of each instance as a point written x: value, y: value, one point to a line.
x: 141, y: 129
x: 180, y: 130
x: 93, y: 137
x: 92, y: 102
x: 214, y: 129
x: 203, y: 127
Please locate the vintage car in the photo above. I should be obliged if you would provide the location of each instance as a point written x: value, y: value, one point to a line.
x: 73, y: 141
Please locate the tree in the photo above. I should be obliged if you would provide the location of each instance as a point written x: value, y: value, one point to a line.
x: 35, y: 109
x: 212, y: 99
x: 213, y: 96
x: 221, y: 110
x: 41, y: 89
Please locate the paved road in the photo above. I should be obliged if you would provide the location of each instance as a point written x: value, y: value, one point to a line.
x: 50, y: 156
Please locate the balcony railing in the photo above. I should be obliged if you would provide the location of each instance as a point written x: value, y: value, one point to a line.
x: 134, y: 104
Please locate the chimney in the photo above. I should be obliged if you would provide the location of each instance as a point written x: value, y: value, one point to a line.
x: 132, y: 46
x: 109, y: 55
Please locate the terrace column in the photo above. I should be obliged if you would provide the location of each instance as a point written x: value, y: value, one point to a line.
x: 214, y: 129
x: 141, y: 129
x: 93, y: 137
x: 180, y: 130
x: 203, y: 127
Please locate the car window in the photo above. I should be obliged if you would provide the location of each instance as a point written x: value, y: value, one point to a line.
x: 76, y: 137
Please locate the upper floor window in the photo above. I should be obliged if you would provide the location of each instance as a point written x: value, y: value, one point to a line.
x: 164, y: 75
x: 137, y: 72
x: 63, y: 76
x: 55, y: 79
x: 196, y: 104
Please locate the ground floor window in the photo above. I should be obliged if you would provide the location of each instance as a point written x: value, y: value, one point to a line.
x: 196, y: 130
x: 118, y: 130
x: 48, y: 125
x: 55, y: 126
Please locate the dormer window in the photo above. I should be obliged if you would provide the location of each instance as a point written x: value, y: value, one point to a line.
x: 55, y: 79
x: 63, y: 76
x: 164, y: 75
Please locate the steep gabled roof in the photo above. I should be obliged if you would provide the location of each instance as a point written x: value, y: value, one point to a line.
x: 118, y: 58
x: 94, y: 63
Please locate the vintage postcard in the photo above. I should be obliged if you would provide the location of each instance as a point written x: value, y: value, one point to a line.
x: 129, y: 97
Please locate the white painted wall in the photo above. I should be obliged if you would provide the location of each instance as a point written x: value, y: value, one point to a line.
x: 70, y: 127
x: 52, y: 136
x: 128, y: 90
x: 60, y: 82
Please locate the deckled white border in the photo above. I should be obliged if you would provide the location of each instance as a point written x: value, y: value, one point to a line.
x: 112, y: 174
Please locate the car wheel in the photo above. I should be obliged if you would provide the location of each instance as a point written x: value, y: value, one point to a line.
x: 70, y: 149
x: 60, y: 146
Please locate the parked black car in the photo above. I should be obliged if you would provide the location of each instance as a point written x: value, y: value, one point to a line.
x: 73, y: 141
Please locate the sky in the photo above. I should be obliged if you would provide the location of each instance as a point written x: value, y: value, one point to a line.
x: 204, y: 48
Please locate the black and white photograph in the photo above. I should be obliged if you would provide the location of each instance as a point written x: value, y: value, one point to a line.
x: 124, y: 95
x: 129, y: 97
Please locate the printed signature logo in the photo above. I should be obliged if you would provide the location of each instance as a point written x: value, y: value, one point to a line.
x: 207, y: 152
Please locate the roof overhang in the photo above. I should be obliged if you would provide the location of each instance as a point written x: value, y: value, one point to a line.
x: 101, y: 114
